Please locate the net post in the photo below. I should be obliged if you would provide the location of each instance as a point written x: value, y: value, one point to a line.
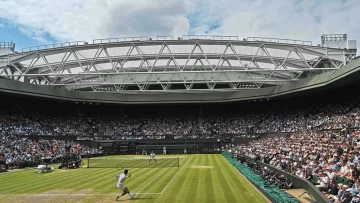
x: 178, y: 161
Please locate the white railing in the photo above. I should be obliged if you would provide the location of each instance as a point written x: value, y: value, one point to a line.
x: 7, y: 45
x: 164, y: 38
x: 211, y: 37
x: 48, y: 46
x: 123, y: 39
x: 277, y: 40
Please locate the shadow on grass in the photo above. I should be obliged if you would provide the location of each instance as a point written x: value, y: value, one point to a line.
x: 136, y: 198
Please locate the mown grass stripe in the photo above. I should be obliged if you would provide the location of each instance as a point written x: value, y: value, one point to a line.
x: 209, y: 180
x: 21, y: 176
x: 159, y: 184
x: 224, y: 186
x: 192, y: 181
x: 201, y: 191
x: 233, y: 180
x: 95, y: 179
x: 220, y: 196
x: 38, y: 179
x: 154, y: 179
x: 151, y: 175
x: 64, y: 184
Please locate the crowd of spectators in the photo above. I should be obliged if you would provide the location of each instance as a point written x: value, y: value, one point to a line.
x: 327, y: 158
x: 21, y: 151
x: 160, y: 123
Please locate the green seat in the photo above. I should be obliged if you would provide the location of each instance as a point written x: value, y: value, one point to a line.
x: 339, y: 179
x: 315, y: 179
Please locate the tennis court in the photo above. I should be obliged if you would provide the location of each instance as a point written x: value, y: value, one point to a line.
x: 199, y: 178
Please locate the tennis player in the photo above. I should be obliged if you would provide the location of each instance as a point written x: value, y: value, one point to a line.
x: 152, y: 157
x: 120, y: 184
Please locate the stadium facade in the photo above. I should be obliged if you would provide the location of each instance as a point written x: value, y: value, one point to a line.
x: 189, y: 69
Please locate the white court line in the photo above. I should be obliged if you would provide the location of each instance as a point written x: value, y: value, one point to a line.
x: 152, y: 181
x: 72, y: 194
x: 174, y: 176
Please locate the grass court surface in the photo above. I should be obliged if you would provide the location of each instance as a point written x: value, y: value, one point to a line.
x: 200, y: 178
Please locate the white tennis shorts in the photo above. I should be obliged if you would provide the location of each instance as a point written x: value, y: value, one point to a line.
x: 122, y: 187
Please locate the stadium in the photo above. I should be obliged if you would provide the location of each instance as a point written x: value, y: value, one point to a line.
x: 222, y: 118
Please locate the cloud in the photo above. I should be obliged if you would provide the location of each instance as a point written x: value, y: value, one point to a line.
x: 2, y: 25
x: 35, y: 34
x: 87, y: 20
x: 71, y: 20
x: 300, y: 19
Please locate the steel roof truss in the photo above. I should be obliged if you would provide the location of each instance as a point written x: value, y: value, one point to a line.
x: 332, y: 62
x: 236, y: 54
x: 143, y: 61
x: 108, y: 57
x: 3, y: 70
x: 287, y: 56
x: 7, y: 73
x: 226, y: 74
x: 32, y: 62
x: 253, y: 59
x: 302, y: 57
x: 268, y: 54
x: 78, y: 61
x: 62, y: 66
x: 97, y: 54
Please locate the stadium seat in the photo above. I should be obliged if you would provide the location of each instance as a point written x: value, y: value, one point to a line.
x: 271, y: 190
x: 339, y: 179
x: 315, y: 179
x: 345, y: 181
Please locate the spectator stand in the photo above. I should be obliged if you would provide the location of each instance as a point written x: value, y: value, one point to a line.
x: 298, y: 183
x: 270, y: 190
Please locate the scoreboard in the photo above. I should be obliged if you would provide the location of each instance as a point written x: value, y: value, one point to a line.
x: 124, y: 146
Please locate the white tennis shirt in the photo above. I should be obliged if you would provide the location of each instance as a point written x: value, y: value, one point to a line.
x: 122, y: 179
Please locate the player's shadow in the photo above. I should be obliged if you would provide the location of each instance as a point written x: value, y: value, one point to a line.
x: 140, y: 198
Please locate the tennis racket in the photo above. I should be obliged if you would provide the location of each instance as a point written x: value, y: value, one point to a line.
x: 119, y: 167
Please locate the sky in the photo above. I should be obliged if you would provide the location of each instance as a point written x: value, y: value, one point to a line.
x: 39, y: 22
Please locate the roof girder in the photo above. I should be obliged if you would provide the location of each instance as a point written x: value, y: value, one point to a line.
x: 295, y: 63
x: 313, y: 50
